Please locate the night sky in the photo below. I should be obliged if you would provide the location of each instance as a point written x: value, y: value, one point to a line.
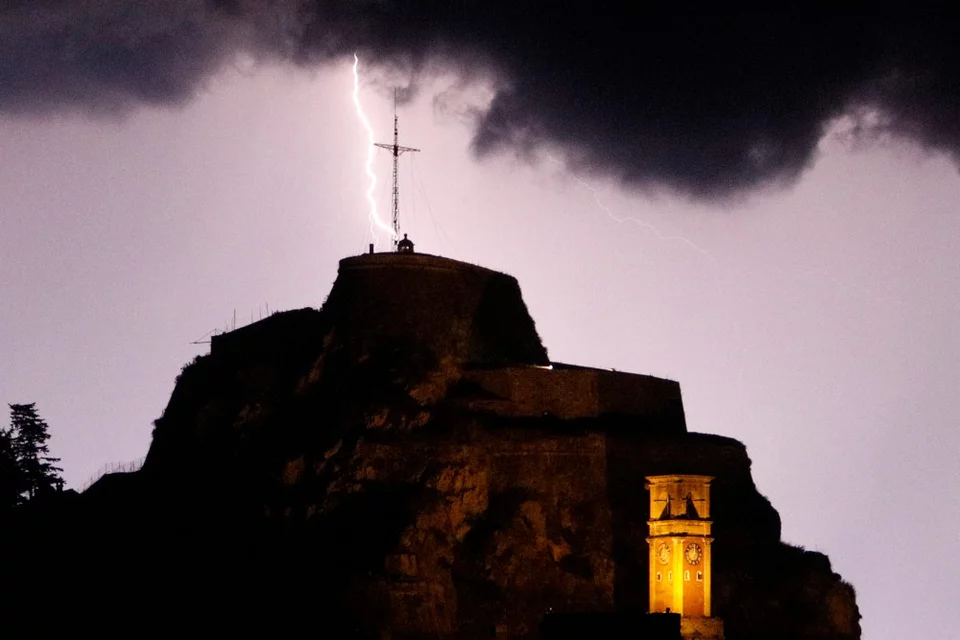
x: 765, y: 208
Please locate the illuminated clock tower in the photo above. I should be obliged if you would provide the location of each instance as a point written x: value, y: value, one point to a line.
x: 680, y: 552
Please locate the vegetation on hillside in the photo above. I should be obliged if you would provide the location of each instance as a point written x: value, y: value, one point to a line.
x: 26, y: 468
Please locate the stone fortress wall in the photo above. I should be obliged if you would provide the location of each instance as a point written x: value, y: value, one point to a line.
x: 515, y: 487
x: 454, y: 309
x: 464, y: 313
x: 569, y: 392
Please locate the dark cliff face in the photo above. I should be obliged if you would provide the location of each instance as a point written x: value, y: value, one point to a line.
x: 393, y: 480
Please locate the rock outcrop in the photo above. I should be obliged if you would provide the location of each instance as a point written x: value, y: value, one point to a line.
x: 407, y: 463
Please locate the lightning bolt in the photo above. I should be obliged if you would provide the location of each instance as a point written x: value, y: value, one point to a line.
x: 734, y: 325
x: 375, y: 221
x: 620, y: 220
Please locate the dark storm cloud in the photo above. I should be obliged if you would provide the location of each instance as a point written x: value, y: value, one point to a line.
x: 110, y: 55
x: 706, y: 103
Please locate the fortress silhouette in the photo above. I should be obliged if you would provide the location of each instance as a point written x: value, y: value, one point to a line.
x: 407, y: 462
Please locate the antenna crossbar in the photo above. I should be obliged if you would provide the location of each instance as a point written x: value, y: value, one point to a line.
x: 397, y: 151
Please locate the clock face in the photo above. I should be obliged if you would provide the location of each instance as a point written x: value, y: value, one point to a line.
x: 693, y: 553
x: 663, y: 553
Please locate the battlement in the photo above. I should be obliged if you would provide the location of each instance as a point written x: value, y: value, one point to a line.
x: 396, y: 262
x: 570, y: 392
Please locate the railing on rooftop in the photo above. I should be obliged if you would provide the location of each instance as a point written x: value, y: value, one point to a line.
x: 112, y: 467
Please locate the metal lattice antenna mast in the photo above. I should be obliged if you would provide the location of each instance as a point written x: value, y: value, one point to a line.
x: 396, y: 149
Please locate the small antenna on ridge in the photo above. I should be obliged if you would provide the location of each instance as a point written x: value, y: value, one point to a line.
x: 397, y: 151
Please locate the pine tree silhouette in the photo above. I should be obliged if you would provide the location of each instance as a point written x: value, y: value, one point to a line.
x: 11, y: 480
x: 37, y: 469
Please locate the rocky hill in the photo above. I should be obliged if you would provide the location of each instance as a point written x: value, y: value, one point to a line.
x: 406, y: 462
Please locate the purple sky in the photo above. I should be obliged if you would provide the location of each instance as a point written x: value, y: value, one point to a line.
x: 816, y: 325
